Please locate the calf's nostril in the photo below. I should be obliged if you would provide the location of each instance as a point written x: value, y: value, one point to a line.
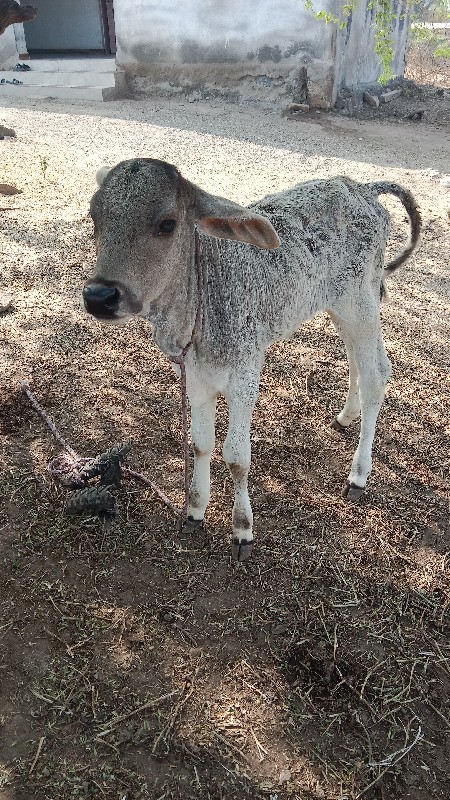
x: 102, y: 301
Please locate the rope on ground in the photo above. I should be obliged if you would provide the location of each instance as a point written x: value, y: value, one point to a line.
x: 73, y: 470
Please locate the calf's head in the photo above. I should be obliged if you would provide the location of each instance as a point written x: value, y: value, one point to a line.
x: 144, y: 215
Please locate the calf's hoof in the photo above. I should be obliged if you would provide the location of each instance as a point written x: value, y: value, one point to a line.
x: 352, y: 492
x: 190, y: 525
x: 241, y: 549
x: 336, y: 425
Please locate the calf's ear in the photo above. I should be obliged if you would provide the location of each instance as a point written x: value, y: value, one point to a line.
x: 101, y: 174
x: 224, y: 219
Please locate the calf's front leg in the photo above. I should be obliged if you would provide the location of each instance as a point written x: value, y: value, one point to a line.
x: 203, y: 439
x: 237, y: 456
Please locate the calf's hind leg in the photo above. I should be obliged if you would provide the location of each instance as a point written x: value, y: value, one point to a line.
x: 352, y: 406
x: 373, y: 369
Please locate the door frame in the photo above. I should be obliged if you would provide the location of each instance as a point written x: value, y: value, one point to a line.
x: 109, y: 28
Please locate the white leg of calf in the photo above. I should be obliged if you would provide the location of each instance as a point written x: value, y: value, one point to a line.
x: 203, y: 439
x: 374, y: 369
x: 352, y: 407
x: 237, y: 455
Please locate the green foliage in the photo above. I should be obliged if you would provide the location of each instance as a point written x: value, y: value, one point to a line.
x: 43, y: 160
x: 443, y: 51
x: 385, y: 14
x: 383, y: 23
x: 432, y: 10
x: 439, y: 44
x: 327, y: 17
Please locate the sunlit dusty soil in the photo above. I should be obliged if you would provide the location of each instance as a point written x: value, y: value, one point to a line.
x: 138, y: 662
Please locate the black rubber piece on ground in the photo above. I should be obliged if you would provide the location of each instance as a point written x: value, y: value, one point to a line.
x: 241, y: 550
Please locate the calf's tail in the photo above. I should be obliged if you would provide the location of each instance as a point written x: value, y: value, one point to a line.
x: 408, y: 201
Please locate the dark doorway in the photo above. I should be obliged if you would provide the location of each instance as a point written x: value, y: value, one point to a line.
x: 85, y: 27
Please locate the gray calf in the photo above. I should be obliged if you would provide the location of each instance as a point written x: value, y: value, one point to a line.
x: 162, y: 243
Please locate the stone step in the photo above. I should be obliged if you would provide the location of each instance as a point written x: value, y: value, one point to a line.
x: 96, y: 65
x: 59, y: 78
x: 69, y: 92
x: 65, y: 78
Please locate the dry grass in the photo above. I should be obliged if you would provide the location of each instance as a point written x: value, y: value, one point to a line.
x: 138, y: 662
x: 424, y: 66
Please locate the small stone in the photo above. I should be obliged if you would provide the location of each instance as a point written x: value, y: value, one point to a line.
x: 345, y: 104
x: 5, y: 302
x: 7, y: 132
x: 415, y: 116
x: 371, y: 99
x: 298, y: 107
x: 445, y: 181
x: 8, y: 189
x: 387, y: 97
x: 285, y: 776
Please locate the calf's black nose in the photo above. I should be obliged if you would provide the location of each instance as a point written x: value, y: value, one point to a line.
x: 101, y: 301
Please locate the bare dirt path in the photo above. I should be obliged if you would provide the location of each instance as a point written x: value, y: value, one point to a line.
x: 136, y: 662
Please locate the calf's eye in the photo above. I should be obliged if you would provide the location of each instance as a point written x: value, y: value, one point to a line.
x: 167, y: 226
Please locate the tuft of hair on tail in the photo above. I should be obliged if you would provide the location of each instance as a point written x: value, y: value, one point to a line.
x: 412, y: 209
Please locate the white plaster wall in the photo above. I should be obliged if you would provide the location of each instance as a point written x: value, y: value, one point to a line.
x: 8, y: 49
x: 231, y: 44
x: 239, y: 26
x: 19, y: 34
x: 209, y: 42
x: 223, y: 31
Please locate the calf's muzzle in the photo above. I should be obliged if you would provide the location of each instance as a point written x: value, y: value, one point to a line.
x: 100, y: 300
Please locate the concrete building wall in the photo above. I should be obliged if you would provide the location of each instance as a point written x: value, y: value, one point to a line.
x: 8, y: 48
x: 269, y: 50
x: 208, y: 29
x: 21, y: 45
x: 251, y: 49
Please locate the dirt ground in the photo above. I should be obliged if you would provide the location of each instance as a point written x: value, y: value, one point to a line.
x: 418, y: 104
x: 138, y: 662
